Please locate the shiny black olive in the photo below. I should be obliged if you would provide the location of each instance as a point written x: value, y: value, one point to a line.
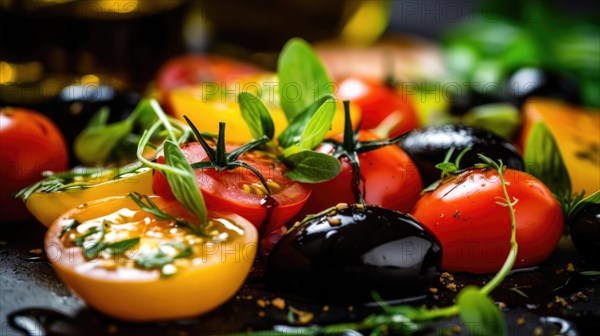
x: 428, y: 146
x: 585, y: 232
x: 345, y: 255
x: 533, y: 82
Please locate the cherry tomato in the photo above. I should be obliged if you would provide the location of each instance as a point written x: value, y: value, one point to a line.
x: 241, y: 192
x: 169, y: 273
x: 378, y: 102
x: 193, y: 69
x: 388, y: 178
x: 475, y: 231
x: 31, y: 143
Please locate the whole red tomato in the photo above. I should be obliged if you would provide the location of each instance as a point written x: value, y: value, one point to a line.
x: 378, y: 102
x: 388, y: 178
x: 236, y: 190
x: 30, y: 143
x: 198, y: 68
x: 475, y: 231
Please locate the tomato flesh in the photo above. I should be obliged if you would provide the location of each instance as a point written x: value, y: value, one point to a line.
x: 224, y: 190
x: 475, y: 231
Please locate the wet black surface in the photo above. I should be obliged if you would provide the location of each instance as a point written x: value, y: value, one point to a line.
x: 551, y: 299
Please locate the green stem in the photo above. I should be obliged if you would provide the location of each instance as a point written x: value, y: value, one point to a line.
x: 514, y: 247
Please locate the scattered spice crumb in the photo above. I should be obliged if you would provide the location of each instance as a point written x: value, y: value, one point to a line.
x: 561, y: 301
x: 112, y: 329
x: 350, y: 308
x: 334, y: 221
x: 452, y: 287
x: 581, y: 295
x: 261, y: 303
x: 278, y: 303
x: 538, y: 331
x: 570, y: 267
x: 37, y: 251
x: 501, y: 305
x: 521, y: 321
x: 456, y: 329
x: 341, y: 206
x: 303, y: 317
x: 261, y: 314
x: 325, y: 308
x: 433, y: 290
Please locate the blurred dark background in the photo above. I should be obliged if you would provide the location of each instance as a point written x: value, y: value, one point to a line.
x: 45, y: 45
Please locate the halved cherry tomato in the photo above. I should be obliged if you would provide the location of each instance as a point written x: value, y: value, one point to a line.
x: 379, y: 102
x: 241, y: 192
x: 388, y: 178
x: 475, y: 231
x: 170, y: 273
x: 46, y: 207
x: 30, y: 144
x: 206, y: 106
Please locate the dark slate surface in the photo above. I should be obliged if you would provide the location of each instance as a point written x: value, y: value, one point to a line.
x: 558, y: 301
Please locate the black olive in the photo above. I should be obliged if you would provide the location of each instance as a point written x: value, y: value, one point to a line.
x: 344, y: 256
x: 533, y: 82
x: 428, y: 146
x: 585, y: 232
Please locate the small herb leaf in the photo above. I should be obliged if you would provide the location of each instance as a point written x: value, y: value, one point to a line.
x: 256, y: 115
x: 122, y: 246
x: 545, y: 162
x: 293, y: 133
x: 302, y: 77
x: 318, y: 126
x: 479, y: 313
x: 312, y: 167
x: 184, y: 186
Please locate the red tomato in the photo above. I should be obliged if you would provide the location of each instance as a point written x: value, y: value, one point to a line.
x: 224, y: 190
x: 197, y: 68
x: 475, y: 231
x: 30, y: 143
x: 377, y: 103
x: 388, y: 178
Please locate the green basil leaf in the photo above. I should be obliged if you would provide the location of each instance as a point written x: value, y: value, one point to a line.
x: 256, y: 115
x: 302, y: 77
x: 318, y: 126
x: 184, y: 186
x: 99, y: 119
x: 122, y: 246
x: 479, y: 313
x: 312, y: 167
x: 575, y: 204
x: 544, y: 161
x: 94, y: 145
x: 293, y: 132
